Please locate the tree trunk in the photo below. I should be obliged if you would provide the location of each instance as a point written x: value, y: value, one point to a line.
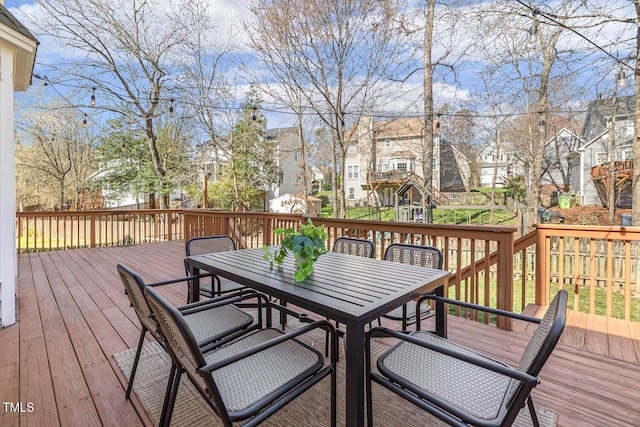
x: 495, y: 177
x: 635, y: 211
x: 155, y: 157
x: 427, y: 145
x: 611, y: 202
x: 303, y: 165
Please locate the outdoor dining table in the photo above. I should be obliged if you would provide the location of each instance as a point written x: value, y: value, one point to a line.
x: 349, y: 289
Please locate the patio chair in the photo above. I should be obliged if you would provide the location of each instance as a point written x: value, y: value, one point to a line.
x: 351, y: 246
x: 207, y: 245
x: 248, y: 379
x: 425, y: 256
x: 213, y: 321
x: 461, y: 386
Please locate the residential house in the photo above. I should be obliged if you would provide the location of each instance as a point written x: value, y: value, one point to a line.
x: 588, y: 163
x: 504, y: 160
x: 383, y: 154
x: 288, y: 154
x: 17, y: 55
x: 556, y: 173
x: 507, y: 162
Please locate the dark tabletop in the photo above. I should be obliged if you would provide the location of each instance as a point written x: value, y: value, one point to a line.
x: 342, y: 287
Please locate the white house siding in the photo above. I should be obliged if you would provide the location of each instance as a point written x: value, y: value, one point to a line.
x: 7, y: 189
x: 17, y: 55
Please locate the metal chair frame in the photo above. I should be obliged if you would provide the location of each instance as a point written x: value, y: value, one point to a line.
x: 134, y: 289
x: 189, y: 358
x: 522, y: 380
x: 432, y: 258
x: 199, y: 246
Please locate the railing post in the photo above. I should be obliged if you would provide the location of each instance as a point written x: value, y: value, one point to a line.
x: 542, y: 269
x: 170, y: 225
x: 267, y: 230
x: 92, y: 230
x: 504, y: 297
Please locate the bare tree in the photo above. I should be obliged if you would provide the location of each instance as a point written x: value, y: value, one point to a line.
x: 337, y: 54
x: 125, y: 54
x: 58, y: 148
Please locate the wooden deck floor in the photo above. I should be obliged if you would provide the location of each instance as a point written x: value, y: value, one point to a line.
x: 73, y: 316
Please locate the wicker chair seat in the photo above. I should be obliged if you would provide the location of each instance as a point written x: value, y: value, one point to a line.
x: 215, y: 323
x: 225, y: 286
x: 396, y: 313
x: 243, y: 384
x: 478, y: 391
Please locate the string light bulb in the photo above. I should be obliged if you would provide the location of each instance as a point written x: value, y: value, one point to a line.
x: 533, y: 30
x: 621, y: 78
x: 171, y: 109
x: 84, y: 122
x: 93, y: 97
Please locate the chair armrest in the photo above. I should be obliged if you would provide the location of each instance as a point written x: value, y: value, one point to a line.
x: 181, y: 279
x: 222, y: 300
x: 496, y: 311
x: 483, y: 363
x: 322, y: 324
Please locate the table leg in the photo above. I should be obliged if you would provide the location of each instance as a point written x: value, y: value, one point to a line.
x: 354, y: 371
x: 193, y: 291
x: 441, y: 314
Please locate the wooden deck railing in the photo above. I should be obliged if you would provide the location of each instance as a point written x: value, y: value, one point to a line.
x: 479, y: 282
x: 600, y: 265
x: 38, y: 231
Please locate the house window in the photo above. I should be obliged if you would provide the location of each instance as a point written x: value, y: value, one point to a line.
x: 352, y: 193
x: 385, y: 167
x: 601, y: 158
x: 627, y: 154
x: 436, y: 163
x: 353, y: 172
x: 351, y: 149
x: 630, y: 128
x: 387, y: 143
x: 401, y: 166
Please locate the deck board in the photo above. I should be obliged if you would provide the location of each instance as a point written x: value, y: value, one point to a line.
x: 35, y: 376
x: 73, y: 316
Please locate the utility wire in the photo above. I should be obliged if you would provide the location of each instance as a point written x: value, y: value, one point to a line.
x: 539, y: 12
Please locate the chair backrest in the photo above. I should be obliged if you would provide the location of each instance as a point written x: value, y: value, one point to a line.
x: 353, y: 246
x: 134, y: 287
x: 209, y: 244
x: 546, y: 336
x: 424, y: 256
x: 181, y: 343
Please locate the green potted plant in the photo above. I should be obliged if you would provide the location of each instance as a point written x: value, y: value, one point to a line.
x: 306, y: 244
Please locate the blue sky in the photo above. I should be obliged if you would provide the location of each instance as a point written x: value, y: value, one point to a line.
x: 17, y: 3
x: 446, y: 91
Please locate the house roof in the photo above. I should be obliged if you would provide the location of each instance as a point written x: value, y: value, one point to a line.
x: 601, y: 109
x: 6, y: 18
x: 26, y: 45
x: 406, y: 153
x: 402, y: 127
x: 278, y: 132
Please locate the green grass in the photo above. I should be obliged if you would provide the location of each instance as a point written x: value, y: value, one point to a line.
x: 440, y: 216
x: 617, y: 310
x: 474, y: 217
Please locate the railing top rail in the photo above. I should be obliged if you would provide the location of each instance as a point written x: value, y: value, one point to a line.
x: 98, y: 212
x: 611, y: 232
